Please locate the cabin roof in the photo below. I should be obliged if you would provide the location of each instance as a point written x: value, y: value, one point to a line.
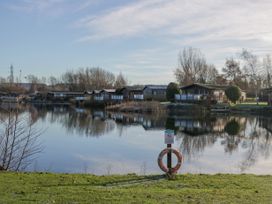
x: 67, y: 92
x: 109, y: 90
x: 156, y: 87
x: 207, y: 86
x: 132, y: 88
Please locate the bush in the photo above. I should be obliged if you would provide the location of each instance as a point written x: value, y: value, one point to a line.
x: 171, y: 90
x: 232, y: 127
x: 233, y: 93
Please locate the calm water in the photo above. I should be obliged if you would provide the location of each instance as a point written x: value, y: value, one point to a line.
x: 98, y: 142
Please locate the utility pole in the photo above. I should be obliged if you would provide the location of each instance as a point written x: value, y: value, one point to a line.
x: 11, y: 77
x: 20, y: 76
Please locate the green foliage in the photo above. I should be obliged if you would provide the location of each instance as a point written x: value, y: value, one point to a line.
x: 171, y: 90
x: 187, y: 188
x: 233, y: 127
x: 233, y: 93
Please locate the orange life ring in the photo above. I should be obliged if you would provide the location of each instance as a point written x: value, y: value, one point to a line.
x: 163, y: 167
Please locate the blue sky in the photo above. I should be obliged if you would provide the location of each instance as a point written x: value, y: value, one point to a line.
x: 140, y: 38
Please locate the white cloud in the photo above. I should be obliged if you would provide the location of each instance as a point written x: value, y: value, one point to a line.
x: 51, y: 7
x: 194, y: 22
x: 219, y: 28
x: 226, y: 18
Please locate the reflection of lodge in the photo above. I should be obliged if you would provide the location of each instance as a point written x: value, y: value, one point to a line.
x: 149, y: 124
x: 134, y: 119
x: 126, y: 119
x: 199, y: 127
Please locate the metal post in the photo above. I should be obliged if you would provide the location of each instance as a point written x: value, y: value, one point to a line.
x: 169, y: 159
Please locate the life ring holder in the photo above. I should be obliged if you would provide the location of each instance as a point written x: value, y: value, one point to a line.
x: 174, y: 169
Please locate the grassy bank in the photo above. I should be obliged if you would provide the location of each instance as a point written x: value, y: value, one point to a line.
x: 138, y: 107
x: 74, y: 188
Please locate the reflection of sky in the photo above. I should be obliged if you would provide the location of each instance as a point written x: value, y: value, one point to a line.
x: 135, y: 150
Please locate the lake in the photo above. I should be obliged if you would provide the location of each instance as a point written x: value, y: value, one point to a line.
x: 76, y: 140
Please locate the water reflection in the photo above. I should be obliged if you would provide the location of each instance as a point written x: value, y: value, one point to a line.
x: 230, y: 143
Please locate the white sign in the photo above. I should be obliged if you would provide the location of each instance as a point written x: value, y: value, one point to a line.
x: 169, y: 136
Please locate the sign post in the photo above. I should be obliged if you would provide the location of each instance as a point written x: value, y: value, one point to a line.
x: 169, y: 140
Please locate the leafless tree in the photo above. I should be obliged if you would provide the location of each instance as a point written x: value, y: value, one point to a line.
x: 52, y: 80
x: 88, y: 79
x: 193, y: 67
x: 209, y: 74
x: 267, y: 69
x: 18, y: 142
x: 232, y: 70
x: 252, y: 70
x: 120, y: 81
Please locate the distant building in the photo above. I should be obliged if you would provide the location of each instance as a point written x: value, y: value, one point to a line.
x: 204, y: 92
x: 131, y: 93
x: 64, y: 95
x: 155, y: 92
x: 107, y: 95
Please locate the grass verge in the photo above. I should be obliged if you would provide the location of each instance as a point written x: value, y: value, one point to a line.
x: 76, y: 188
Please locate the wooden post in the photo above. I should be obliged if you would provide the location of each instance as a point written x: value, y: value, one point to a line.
x: 169, y: 159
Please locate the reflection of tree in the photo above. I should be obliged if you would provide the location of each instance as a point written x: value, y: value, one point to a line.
x: 170, y: 124
x: 193, y: 145
x: 85, y: 124
x: 232, y: 139
x: 240, y: 133
x: 18, y: 142
x: 258, y: 143
x: 232, y: 127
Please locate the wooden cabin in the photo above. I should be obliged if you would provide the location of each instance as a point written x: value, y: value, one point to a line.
x: 107, y: 95
x: 155, y: 92
x: 64, y: 95
x: 202, y: 92
x: 131, y: 93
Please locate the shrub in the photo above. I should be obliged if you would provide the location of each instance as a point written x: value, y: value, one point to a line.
x: 233, y: 93
x: 171, y: 90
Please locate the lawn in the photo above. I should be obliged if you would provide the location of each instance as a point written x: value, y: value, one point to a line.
x: 75, y: 188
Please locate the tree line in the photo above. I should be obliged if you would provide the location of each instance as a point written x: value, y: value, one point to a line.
x: 247, y: 70
x: 76, y: 80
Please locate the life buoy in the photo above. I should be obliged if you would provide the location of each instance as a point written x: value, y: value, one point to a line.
x: 163, y: 167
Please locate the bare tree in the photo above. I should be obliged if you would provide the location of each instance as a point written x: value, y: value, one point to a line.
x: 88, y: 78
x: 120, y: 81
x: 267, y: 68
x: 192, y: 67
x: 18, y: 142
x: 3, y: 80
x: 52, y: 80
x: 232, y: 70
x: 252, y: 70
x: 209, y: 74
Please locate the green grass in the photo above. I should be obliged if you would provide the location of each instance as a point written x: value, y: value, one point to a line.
x: 254, y: 103
x: 249, y: 105
x: 74, y: 188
